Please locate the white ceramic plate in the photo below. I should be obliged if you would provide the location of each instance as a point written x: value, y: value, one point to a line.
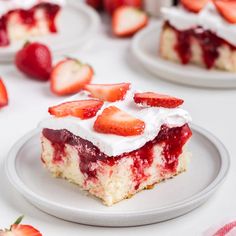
x: 76, y: 25
x: 208, y: 168
x: 145, y: 48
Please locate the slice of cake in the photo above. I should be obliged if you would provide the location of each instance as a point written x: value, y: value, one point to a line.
x: 115, y: 142
x: 200, y: 32
x: 20, y: 19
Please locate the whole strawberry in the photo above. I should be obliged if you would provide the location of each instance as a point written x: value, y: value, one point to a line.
x: 18, y: 229
x: 96, y: 4
x: 34, y: 60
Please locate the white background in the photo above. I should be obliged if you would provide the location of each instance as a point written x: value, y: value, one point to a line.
x: 214, y: 110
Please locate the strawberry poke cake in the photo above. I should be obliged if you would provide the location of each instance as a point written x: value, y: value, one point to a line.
x: 114, y: 141
x: 201, y: 32
x: 20, y: 19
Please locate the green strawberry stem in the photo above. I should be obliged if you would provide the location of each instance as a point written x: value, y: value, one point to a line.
x: 18, y: 221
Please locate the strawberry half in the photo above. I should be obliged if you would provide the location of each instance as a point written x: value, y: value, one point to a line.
x: 20, y: 230
x: 3, y: 94
x: 108, y: 92
x: 126, y: 21
x: 115, y: 121
x: 111, y: 5
x: 227, y: 8
x: 157, y: 100
x: 70, y: 76
x: 84, y: 109
x: 194, y: 5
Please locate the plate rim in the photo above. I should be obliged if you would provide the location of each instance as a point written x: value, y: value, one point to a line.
x: 94, y: 25
x: 14, y: 179
x: 208, y: 81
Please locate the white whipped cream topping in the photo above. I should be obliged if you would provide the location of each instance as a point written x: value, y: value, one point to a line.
x: 113, y: 145
x: 208, y: 18
x: 7, y: 5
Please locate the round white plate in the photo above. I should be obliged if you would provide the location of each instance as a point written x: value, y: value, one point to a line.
x: 208, y: 168
x: 145, y: 48
x: 76, y: 25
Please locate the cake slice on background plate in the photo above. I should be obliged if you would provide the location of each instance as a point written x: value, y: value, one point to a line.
x: 20, y: 19
x: 200, y: 32
x: 114, y: 141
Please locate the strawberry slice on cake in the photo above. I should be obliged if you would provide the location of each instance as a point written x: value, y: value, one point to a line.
x: 82, y: 109
x: 194, y: 5
x: 157, y: 100
x: 114, y: 121
x: 227, y: 8
x: 122, y: 146
x: 108, y: 92
x: 200, y: 32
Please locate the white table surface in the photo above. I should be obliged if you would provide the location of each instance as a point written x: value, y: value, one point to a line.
x: 214, y: 110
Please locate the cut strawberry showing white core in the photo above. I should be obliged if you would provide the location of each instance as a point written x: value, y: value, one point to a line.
x: 157, y: 100
x: 108, y: 92
x: 227, y: 8
x: 126, y: 21
x: 115, y: 121
x: 83, y: 109
x: 70, y: 76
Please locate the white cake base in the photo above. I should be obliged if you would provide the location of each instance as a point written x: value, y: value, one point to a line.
x: 226, y: 60
x: 113, y: 183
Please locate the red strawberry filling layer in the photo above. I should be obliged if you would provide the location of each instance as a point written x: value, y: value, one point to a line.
x: 28, y: 18
x: 171, y: 139
x: 208, y: 41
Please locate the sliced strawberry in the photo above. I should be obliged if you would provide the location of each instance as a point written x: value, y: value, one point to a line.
x: 126, y: 21
x: 115, y: 121
x: 84, y: 109
x: 227, y: 8
x: 157, y: 100
x: 108, y: 92
x: 3, y: 94
x: 70, y: 76
x: 194, y: 5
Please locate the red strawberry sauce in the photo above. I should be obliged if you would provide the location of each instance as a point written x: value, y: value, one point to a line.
x: 28, y: 18
x: 208, y: 41
x: 173, y: 140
